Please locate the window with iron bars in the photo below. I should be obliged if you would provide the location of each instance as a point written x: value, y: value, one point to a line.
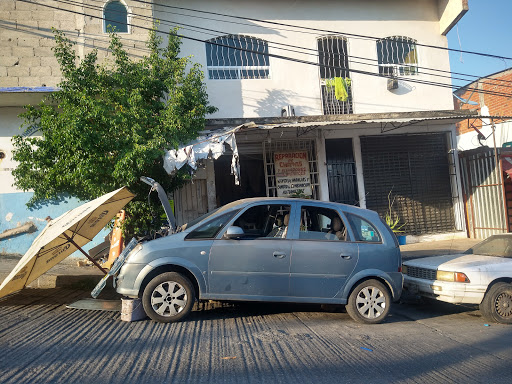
x: 237, y: 57
x: 397, y: 56
x: 335, y: 83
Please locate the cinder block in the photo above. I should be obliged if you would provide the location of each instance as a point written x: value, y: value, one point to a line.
x: 17, y: 71
x: 47, y: 42
x: 3, y: 71
x: 30, y: 62
x: 29, y: 81
x: 49, y: 61
x: 7, y: 5
x: 23, y: 51
x: 50, y: 81
x: 6, y: 81
x: 6, y: 52
x: 8, y: 61
x: 28, y: 42
x: 43, y: 51
x: 40, y: 71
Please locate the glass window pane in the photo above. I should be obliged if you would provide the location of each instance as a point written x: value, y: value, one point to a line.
x: 210, y: 229
x: 116, y: 17
x: 363, y: 230
x: 317, y: 223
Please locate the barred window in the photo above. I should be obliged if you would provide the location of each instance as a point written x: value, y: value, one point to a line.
x: 115, y: 17
x: 397, y: 56
x: 248, y: 59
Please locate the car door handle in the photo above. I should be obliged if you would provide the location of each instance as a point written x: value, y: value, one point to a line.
x: 346, y: 257
x: 279, y: 255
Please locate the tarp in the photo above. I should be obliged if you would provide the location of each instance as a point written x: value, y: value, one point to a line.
x: 209, y: 145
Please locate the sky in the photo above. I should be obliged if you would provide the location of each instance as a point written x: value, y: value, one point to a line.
x: 485, y: 28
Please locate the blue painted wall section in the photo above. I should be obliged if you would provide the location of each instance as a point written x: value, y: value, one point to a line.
x: 14, y: 212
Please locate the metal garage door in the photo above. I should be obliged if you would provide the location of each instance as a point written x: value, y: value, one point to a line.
x: 416, y: 169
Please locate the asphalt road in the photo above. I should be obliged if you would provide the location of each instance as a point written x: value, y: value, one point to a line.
x: 42, y: 341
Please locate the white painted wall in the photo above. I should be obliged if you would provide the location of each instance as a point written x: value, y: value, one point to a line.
x: 9, y: 126
x: 502, y: 134
x: 298, y: 84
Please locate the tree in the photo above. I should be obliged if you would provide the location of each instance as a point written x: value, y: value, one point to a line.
x: 111, y: 123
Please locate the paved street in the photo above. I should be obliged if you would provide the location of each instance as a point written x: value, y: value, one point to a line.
x: 43, y: 341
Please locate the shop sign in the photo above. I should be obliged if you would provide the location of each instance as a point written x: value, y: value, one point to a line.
x: 292, y: 173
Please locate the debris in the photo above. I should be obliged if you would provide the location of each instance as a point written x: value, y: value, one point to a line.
x: 28, y: 227
x: 486, y: 325
x: 229, y: 358
x: 367, y: 349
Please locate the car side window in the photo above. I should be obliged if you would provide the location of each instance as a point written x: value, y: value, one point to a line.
x: 210, y: 229
x: 363, y: 230
x: 269, y: 220
x: 318, y: 223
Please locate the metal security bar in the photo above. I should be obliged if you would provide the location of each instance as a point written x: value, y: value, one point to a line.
x: 416, y: 170
x: 483, y: 193
x: 333, y: 59
x: 225, y: 63
x: 289, y: 145
x: 397, y: 56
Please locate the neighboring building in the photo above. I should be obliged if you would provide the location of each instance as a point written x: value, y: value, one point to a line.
x: 29, y: 71
x: 487, y: 186
x: 363, y: 136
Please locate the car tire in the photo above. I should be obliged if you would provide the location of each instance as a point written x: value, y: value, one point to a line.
x: 369, y: 302
x: 168, y: 297
x: 497, y: 303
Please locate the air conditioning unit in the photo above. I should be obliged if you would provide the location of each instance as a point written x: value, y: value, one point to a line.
x: 392, y: 84
x: 287, y: 111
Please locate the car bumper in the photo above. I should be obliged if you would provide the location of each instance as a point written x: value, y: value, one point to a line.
x: 456, y: 293
x: 126, y: 281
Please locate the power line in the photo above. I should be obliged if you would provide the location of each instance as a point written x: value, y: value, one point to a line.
x: 195, y: 28
x: 320, y: 30
x: 418, y: 81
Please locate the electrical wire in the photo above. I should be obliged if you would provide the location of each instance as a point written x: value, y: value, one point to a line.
x: 417, y: 81
x: 274, y: 44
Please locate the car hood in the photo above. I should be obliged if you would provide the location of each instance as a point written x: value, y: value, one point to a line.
x: 462, y: 262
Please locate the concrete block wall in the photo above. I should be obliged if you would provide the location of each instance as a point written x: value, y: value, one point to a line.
x: 26, y: 39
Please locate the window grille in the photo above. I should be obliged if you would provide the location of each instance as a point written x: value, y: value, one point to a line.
x: 333, y: 60
x: 115, y: 16
x: 289, y: 145
x: 397, y: 56
x: 249, y: 61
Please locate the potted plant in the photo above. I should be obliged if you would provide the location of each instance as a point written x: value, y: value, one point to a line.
x: 395, y: 224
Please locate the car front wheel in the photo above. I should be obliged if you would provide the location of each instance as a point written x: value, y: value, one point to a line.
x: 497, y: 303
x: 168, y: 298
x: 369, y: 302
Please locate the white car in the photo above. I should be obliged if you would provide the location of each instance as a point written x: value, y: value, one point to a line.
x: 481, y: 275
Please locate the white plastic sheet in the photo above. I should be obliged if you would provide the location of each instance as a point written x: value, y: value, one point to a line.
x: 210, y: 145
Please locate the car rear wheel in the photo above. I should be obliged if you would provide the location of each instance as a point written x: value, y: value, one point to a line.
x: 497, y: 303
x: 369, y: 302
x: 168, y: 298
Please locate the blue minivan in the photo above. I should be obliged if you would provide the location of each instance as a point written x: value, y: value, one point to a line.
x: 269, y: 250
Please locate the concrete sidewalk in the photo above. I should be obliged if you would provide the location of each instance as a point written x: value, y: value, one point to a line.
x: 67, y: 274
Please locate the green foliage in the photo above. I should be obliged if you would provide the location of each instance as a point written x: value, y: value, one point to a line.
x: 394, y: 224
x: 111, y: 123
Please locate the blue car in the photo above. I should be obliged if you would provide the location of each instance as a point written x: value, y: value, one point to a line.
x: 269, y: 250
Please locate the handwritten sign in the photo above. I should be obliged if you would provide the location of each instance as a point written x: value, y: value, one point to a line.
x: 292, y: 173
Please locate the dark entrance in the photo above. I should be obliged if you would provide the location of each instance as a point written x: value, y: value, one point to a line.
x: 252, y: 178
x: 415, y: 168
x: 341, y: 171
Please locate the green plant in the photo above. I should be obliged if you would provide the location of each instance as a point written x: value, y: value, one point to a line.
x: 394, y: 224
x: 111, y: 123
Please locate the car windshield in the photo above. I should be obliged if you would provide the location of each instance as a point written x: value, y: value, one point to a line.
x: 497, y: 245
x: 197, y: 220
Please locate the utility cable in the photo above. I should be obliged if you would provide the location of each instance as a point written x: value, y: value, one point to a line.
x: 418, y: 81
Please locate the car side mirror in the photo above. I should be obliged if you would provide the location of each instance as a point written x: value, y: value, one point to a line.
x: 233, y: 232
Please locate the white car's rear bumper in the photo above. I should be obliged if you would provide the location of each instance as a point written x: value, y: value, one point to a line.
x: 457, y: 293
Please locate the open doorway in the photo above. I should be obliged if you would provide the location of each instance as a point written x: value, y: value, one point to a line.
x: 252, y: 178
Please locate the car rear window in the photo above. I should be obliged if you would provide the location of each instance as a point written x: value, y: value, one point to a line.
x: 363, y: 229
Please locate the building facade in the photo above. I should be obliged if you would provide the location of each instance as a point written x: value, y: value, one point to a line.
x: 350, y: 86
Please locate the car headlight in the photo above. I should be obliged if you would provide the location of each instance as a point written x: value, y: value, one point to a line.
x: 458, y: 277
